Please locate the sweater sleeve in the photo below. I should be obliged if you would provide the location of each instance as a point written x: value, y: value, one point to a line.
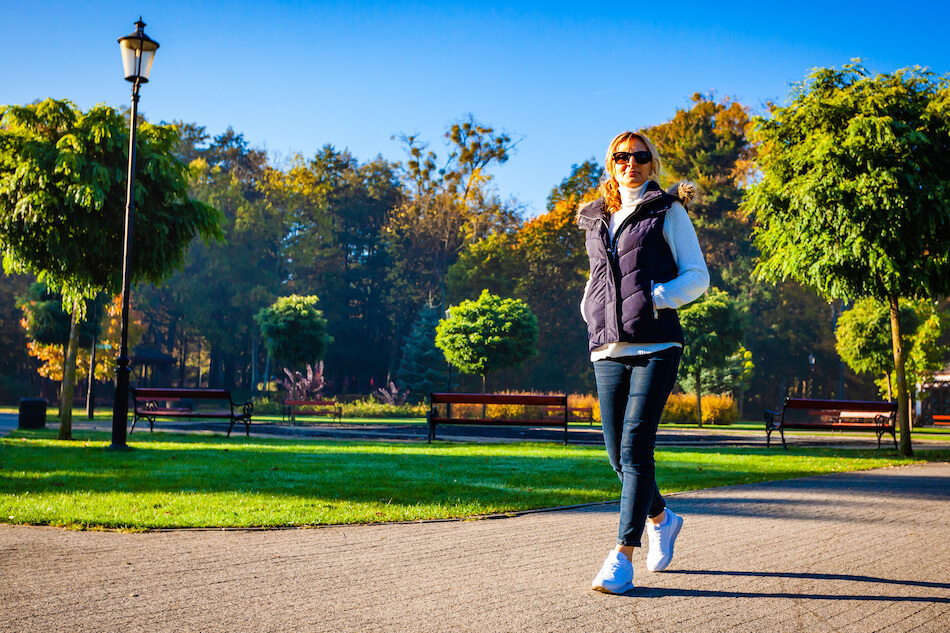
x: 693, y: 278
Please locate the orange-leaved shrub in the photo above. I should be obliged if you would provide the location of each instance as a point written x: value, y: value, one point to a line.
x: 717, y: 409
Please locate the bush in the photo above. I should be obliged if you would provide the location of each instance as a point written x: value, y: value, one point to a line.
x: 370, y: 408
x: 264, y: 406
x: 585, y: 400
x: 717, y: 409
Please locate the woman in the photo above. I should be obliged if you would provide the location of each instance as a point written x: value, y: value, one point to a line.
x: 645, y: 262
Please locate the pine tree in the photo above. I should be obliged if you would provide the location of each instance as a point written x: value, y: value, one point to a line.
x: 422, y: 368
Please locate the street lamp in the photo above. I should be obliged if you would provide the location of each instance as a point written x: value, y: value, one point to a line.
x: 138, y: 52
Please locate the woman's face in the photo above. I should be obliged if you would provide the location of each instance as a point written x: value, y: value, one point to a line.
x: 632, y: 174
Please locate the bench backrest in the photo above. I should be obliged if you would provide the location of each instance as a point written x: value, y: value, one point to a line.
x: 841, y: 405
x: 498, y: 398
x: 154, y: 393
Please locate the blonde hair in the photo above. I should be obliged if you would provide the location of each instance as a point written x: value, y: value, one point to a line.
x: 609, y: 187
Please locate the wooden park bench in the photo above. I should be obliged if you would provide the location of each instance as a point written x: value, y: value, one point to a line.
x: 941, y: 419
x: 293, y: 408
x: 836, y: 415
x: 151, y: 403
x: 549, y: 403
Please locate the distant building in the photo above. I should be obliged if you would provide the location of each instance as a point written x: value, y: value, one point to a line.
x: 933, y: 398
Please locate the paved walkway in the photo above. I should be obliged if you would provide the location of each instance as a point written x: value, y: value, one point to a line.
x: 863, y: 552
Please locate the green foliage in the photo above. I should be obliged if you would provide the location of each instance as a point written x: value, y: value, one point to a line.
x: 373, y: 408
x: 853, y: 196
x: 211, y: 303
x: 551, y: 272
x: 864, y: 335
x: 484, y: 265
x: 294, y: 329
x: 445, y: 210
x: 712, y: 326
x: 580, y: 184
x: 708, y: 144
x: 46, y: 322
x: 335, y: 210
x: 62, y: 198
x: 422, y: 367
x: 733, y: 375
x: 928, y: 350
x: 488, y: 334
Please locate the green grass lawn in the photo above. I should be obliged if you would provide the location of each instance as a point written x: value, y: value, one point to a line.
x: 189, y: 480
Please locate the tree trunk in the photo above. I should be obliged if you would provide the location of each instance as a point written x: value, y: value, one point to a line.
x: 69, y: 378
x: 903, y: 410
x: 887, y: 377
x: 699, y: 396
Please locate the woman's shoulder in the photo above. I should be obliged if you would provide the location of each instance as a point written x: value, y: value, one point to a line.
x: 684, y: 192
x: 589, y: 213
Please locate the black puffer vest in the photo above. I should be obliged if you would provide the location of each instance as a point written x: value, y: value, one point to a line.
x: 619, y: 305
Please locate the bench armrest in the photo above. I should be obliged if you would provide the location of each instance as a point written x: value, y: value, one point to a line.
x: 247, y: 408
x: 770, y: 418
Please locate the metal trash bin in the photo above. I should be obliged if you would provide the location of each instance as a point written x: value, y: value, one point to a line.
x: 32, y: 413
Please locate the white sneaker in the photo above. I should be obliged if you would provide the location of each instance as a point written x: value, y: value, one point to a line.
x: 662, y: 537
x: 616, y: 575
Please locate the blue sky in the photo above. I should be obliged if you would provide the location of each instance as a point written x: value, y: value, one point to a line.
x: 561, y: 76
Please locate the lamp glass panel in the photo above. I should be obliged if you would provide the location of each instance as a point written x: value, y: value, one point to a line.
x: 137, y: 57
x: 130, y: 58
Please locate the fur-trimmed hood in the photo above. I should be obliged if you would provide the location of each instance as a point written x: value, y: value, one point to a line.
x: 684, y: 191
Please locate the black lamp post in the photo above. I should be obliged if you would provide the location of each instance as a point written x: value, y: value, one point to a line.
x: 138, y: 52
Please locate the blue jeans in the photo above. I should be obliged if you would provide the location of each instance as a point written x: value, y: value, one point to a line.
x: 633, y: 391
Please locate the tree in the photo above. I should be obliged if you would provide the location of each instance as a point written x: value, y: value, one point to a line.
x: 712, y: 327
x: 583, y: 179
x: 552, y: 271
x: 212, y: 301
x: 446, y: 208
x: 62, y: 205
x: 48, y: 325
x: 335, y: 210
x: 488, y: 334
x: 852, y: 199
x: 423, y: 365
x: 708, y: 145
x: 295, y: 330
x: 488, y: 264
x: 864, y: 337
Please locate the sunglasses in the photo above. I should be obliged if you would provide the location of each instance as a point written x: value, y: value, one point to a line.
x: 622, y: 158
